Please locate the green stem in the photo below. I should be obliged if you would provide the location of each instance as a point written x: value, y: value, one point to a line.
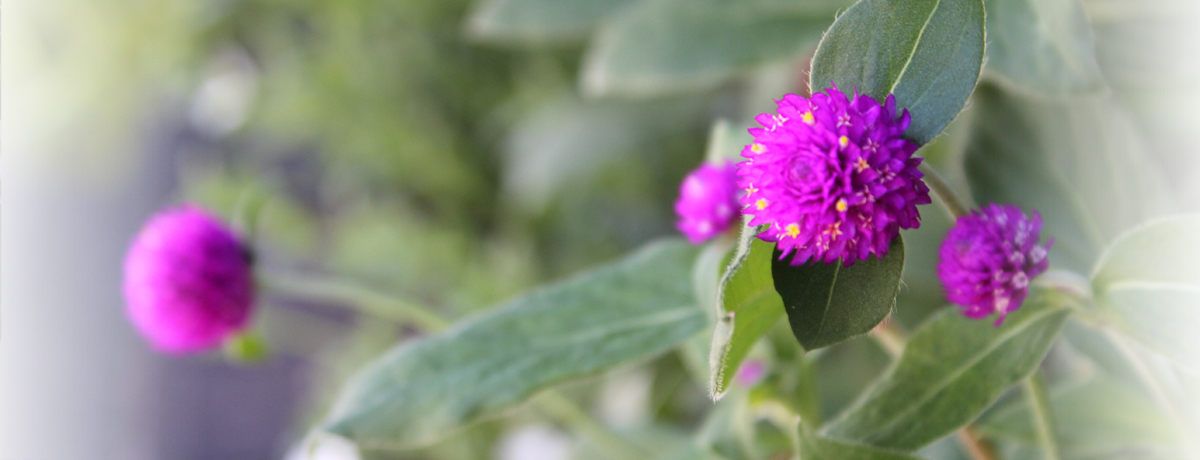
x: 1043, y: 419
x: 558, y: 406
x: 945, y: 193
x: 350, y: 295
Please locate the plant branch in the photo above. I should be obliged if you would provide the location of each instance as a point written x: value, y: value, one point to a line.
x: 342, y: 293
x: 938, y: 185
x: 1043, y: 419
x: 976, y: 449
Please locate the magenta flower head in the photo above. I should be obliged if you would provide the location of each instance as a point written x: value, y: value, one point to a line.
x: 708, y: 202
x: 188, y: 281
x: 988, y: 258
x: 831, y: 177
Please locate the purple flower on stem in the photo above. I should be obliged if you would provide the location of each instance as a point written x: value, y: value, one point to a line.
x: 707, y: 203
x: 831, y: 177
x: 988, y: 259
x: 188, y: 281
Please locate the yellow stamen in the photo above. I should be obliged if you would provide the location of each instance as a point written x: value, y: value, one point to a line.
x: 751, y: 190
x: 757, y: 148
x: 861, y: 164
x: 807, y: 118
x: 843, y: 141
x: 841, y: 204
x: 793, y: 230
x: 834, y: 230
x: 761, y: 204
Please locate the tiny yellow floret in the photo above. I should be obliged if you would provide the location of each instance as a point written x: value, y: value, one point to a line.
x: 793, y: 230
x: 843, y: 141
x: 841, y: 204
x: 751, y: 190
x: 757, y: 148
x: 861, y: 164
x: 761, y: 204
x: 807, y: 118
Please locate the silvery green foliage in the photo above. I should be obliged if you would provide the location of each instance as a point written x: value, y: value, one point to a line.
x: 1038, y: 125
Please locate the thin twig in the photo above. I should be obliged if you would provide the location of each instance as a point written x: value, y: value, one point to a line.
x: 975, y: 448
x: 953, y: 205
x: 350, y: 295
x: 1043, y: 418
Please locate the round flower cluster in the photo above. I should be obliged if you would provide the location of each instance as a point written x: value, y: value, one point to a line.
x: 831, y: 177
x: 707, y: 203
x: 988, y: 259
x: 188, y: 282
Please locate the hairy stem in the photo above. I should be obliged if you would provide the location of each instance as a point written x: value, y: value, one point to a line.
x: 938, y: 185
x: 342, y: 293
x: 975, y: 448
x: 1043, y: 419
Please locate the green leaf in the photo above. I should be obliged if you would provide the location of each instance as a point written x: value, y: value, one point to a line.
x: 926, y: 52
x: 1097, y: 419
x: 1043, y: 45
x: 1080, y: 163
x: 538, y: 21
x: 749, y: 307
x: 1148, y: 286
x: 668, y: 46
x: 952, y: 369
x: 814, y: 447
x: 420, y: 391
x: 829, y: 303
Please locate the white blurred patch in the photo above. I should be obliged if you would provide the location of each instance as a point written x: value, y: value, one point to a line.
x: 324, y: 447
x: 534, y: 442
x: 223, y: 101
x: 625, y: 399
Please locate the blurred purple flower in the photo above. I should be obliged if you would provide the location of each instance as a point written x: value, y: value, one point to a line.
x: 751, y: 372
x: 188, y: 281
x: 832, y: 177
x: 988, y: 259
x: 707, y: 203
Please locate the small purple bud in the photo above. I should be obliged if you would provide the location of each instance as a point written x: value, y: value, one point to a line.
x: 188, y: 281
x: 751, y: 372
x: 989, y: 258
x: 707, y: 203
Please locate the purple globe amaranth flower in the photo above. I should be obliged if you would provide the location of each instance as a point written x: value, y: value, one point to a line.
x: 988, y: 259
x: 707, y: 203
x: 831, y: 177
x: 188, y: 281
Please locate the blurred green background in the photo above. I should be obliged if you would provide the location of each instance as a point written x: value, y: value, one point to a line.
x: 450, y: 152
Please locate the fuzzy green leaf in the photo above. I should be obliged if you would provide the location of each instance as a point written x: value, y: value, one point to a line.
x: 668, y: 46
x: 1148, y: 286
x: 926, y: 52
x: 749, y: 307
x: 952, y: 369
x: 1043, y: 45
x: 829, y: 303
x: 538, y: 21
x: 625, y: 312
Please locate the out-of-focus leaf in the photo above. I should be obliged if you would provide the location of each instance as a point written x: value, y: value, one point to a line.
x: 568, y: 140
x: 829, y: 303
x: 926, y: 52
x: 1097, y: 419
x: 1080, y: 163
x: 813, y: 447
x: 749, y: 307
x: 1043, y: 45
x: 420, y: 391
x: 1148, y: 286
x: 538, y: 21
x: 667, y: 46
x: 952, y: 369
